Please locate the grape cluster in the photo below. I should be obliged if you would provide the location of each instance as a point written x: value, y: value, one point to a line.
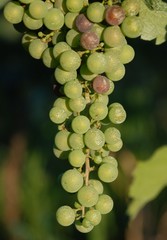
x: 85, y: 43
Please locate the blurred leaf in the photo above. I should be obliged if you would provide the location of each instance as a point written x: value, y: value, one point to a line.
x: 154, y: 21
x: 150, y: 177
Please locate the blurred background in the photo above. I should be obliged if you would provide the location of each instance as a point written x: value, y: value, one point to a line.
x: 29, y: 188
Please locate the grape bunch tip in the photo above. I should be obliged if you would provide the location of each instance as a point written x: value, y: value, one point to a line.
x: 85, y: 43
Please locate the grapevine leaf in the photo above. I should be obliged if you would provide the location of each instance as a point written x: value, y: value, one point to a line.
x: 150, y: 177
x: 153, y: 15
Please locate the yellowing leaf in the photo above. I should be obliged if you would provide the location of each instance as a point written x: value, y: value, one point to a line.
x: 150, y: 177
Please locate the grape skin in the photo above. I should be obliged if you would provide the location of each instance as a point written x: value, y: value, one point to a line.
x: 38, y: 9
x: 94, y: 139
x: 65, y: 215
x: 107, y: 172
x: 89, y: 40
x: 114, y: 15
x: 13, y: 12
x: 87, y: 196
x: 82, y: 23
x: 104, y: 204
x: 101, y: 84
x: 72, y: 180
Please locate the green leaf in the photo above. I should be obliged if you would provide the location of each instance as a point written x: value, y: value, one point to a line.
x: 153, y: 14
x: 150, y: 177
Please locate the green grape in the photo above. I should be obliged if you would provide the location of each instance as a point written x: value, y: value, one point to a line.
x: 54, y: 19
x: 49, y: 5
x: 73, y: 38
x: 31, y: 23
x: 27, y: 38
x: 98, y: 29
x: 57, y: 115
x: 13, y: 12
x: 93, y: 216
x: 59, y: 48
x: 101, y: 98
x: 87, y: 196
x: 97, y: 185
x: 74, y: 5
x: 86, y: 73
x: 111, y: 135
x: 132, y: 26
x: 110, y: 159
x: 80, y: 124
x: 131, y: 7
x: 107, y: 172
x: 127, y: 54
x: 97, y: 159
x: 79, y: 226
x: 112, y: 59
x: 77, y: 104
x: 98, y: 111
x: 63, y: 76
x: 95, y: 12
x: 60, y: 154
x: 96, y: 63
x: 69, y: 19
x: 70, y: 60
x: 117, y: 113
x: 61, y: 140
x: 94, y: 139
x: 73, y: 89
x: 63, y: 104
x: 76, y: 158
x: 36, y: 48
x: 38, y: 9
x: 61, y: 4
x: 104, y: 204
x: 48, y: 58
x: 117, y: 74
x: 115, y: 146
x: 65, y: 215
x: 86, y: 223
x: 76, y: 141
x: 57, y: 37
x: 113, y: 36
x: 72, y: 180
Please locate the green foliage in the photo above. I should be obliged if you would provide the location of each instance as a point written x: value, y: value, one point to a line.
x: 149, y: 179
x: 154, y: 20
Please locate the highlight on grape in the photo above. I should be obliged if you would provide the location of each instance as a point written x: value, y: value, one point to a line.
x: 85, y: 43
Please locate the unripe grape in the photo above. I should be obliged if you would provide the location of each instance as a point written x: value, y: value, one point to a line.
x: 76, y: 158
x: 131, y: 7
x: 74, y: 5
x: 13, y: 12
x: 73, y: 89
x: 72, y: 180
x: 70, y: 60
x: 76, y: 141
x: 61, y: 140
x: 132, y: 26
x: 93, y: 216
x: 38, y: 9
x: 54, y: 19
x: 104, y: 204
x: 79, y: 226
x: 94, y: 139
x: 57, y: 115
x: 95, y: 12
x: 98, y: 111
x: 87, y: 196
x: 65, y: 216
x: 117, y: 113
x: 97, y: 185
x: 80, y: 124
x: 107, y: 172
